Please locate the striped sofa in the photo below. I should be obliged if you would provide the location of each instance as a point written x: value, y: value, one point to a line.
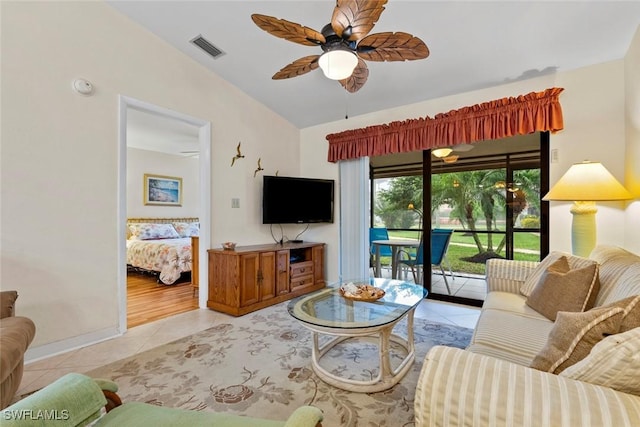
x: 491, y: 384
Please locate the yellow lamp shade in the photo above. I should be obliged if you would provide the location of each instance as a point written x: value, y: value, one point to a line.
x: 587, y: 181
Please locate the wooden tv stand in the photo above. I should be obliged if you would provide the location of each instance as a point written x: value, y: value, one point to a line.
x: 253, y: 277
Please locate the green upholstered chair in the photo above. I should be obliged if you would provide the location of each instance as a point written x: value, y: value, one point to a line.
x: 77, y: 400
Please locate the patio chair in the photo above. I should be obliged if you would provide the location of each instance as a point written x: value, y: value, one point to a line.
x: 445, y: 260
x: 439, y: 245
x: 379, y: 233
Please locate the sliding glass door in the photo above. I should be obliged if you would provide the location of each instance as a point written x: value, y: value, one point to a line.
x: 488, y: 194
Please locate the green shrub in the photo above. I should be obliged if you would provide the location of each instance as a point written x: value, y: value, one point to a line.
x: 530, y: 221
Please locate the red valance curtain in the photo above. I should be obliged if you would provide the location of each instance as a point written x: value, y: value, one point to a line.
x: 536, y: 111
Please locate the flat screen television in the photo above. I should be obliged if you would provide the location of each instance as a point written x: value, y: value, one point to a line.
x: 290, y: 200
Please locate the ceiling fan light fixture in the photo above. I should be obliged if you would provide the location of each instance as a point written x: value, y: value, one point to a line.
x: 450, y: 159
x: 338, y: 64
x: 463, y: 148
x: 441, y: 152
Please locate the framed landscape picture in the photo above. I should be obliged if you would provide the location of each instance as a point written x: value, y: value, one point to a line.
x: 162, y: 190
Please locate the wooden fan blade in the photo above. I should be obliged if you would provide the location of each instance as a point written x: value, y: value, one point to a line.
x: 288, y: 30
x: 358, y: 78
x: 392, y: 47
x: 298, y: 67
x: 354, y: 19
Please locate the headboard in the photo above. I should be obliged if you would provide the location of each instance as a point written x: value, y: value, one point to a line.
x: 158, y: 221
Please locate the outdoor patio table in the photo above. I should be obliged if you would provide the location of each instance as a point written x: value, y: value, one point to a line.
x: 396, y: 245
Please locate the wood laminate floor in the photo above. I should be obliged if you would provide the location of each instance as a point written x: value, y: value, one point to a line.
x: 148, y: 301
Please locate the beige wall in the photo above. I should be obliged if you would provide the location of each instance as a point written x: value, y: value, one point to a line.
x: 593, y: 107
x: 632, y: 155
x: 141, y: 162
x: 60, y: 156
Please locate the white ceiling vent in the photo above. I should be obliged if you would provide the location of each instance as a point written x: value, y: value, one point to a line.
x: 207, y: 46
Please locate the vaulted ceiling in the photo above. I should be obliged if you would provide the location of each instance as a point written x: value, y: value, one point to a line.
x: 473, y: 45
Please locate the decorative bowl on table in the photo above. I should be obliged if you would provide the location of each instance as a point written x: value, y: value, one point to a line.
x: 229, y: 246
x: 361, y: 292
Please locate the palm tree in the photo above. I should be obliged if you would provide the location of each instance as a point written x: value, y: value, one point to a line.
x: 528, y: 181
x: 471, y: 194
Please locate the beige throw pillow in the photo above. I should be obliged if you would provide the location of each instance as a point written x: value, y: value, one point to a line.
x: 574, y: 334
x: 533, y: 279
x: 614, y: 362
x: 631, y: 317
x: 563, y: 289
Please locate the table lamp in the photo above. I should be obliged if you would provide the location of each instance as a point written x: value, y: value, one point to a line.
x: 584, y: 184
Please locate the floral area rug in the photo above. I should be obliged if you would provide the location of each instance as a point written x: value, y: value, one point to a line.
x: 260, y: 365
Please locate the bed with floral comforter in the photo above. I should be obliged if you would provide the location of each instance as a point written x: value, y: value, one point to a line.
x: 169, y: 257
x: 162, y: 248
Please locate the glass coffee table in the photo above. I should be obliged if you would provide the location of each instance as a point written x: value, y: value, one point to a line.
x: 328, y: 312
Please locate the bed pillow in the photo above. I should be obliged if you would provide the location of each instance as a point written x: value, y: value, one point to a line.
x: 150, y: 231
x: 573, y: 336
x: 562, y: 289
x: 187, y: 229
x: 614, y: 362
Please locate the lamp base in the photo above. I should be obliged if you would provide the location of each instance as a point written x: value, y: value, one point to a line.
x: 583, y: 228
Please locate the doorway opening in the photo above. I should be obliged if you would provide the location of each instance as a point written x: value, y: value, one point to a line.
x: 128, y: 107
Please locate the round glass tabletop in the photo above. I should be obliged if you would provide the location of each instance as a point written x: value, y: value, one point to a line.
x: 328, y: 308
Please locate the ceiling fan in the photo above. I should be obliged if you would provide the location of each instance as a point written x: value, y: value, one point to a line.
x: 345, y: 43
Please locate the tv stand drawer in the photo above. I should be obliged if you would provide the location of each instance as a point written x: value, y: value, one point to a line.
x: 301, y: 269
x: 301, y: 281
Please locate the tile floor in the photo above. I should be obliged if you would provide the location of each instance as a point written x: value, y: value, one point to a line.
x: 467, y: 286
x: 40, y: 373
x: 461, y: 285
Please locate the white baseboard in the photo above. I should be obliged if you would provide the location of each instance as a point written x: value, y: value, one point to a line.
x: 34, y: 354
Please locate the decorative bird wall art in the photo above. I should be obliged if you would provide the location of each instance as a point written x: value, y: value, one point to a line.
x: 239, y: 154
x: 259, y: 168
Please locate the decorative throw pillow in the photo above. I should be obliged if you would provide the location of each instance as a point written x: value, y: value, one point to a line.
x: 532, y: 280
x: 563, y: 289
x: 187, y: 229
x: 574, y: 334
x: 614, y: 362
x: 150, y: 231
x: 631, y: 317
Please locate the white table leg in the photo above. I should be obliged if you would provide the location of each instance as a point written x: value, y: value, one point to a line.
x: 387, y: 377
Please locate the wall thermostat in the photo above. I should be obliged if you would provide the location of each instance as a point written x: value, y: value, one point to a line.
x: 82, y: 86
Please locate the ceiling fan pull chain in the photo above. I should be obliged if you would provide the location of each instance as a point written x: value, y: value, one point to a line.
x: 346, y: 105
